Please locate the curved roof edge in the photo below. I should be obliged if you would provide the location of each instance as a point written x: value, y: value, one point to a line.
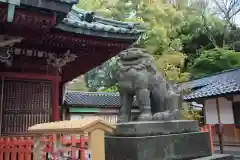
x: 67, y: 1
x: 87, y: 23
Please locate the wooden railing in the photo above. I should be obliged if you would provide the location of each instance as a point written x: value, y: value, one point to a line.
x: 20, y: 147
x: 231, y: 135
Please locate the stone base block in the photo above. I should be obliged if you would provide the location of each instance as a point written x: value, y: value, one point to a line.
x: 184, y: 146
x: 152, y: 128
x: 217, y: 157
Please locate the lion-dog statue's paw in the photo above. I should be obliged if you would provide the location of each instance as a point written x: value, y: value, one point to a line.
x: 166, y: 115
x: 158, y: 116
x: 122, y: 119
x: 145, y: 116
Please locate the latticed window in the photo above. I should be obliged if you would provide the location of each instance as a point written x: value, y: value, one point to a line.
x: 23, y: 104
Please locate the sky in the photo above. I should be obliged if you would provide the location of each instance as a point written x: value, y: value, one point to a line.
x: 238, y: 19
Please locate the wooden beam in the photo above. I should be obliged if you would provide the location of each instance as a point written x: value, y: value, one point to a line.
x: 220, y: 134
x: 218, y: 111
x: 10, y: 42
x: 30, y: 76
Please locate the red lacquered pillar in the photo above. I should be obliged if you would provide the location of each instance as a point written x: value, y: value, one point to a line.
x: 55, y: 99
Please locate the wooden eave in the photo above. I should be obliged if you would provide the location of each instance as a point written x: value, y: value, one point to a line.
x: 227, y: 95
x: 62, y: 6
x: 91, y: 51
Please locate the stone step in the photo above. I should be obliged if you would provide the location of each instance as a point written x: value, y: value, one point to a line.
x: 151, y: 128
x: 217, y: 157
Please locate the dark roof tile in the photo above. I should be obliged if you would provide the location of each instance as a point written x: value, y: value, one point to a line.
x: 223, y: 76
x: 77, y: 22
x: 216, y: 88
x: 99, y: 99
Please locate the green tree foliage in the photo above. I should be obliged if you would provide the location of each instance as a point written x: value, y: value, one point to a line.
x: 233, y: 39
x: 114, y: 88
x: 188, y: 113
x: 100, y: 7
x: 215, y: 60
x: 102, y: 77
x: 171, y: 64
x: 78, y: 84
x: 162, y: 21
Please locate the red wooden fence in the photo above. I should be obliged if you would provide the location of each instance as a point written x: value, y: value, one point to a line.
x: 20, y: 148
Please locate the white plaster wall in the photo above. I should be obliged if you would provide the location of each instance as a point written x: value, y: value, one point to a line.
x: 111, y: 118
x: 210, y: 111
x: 226, y: 111
x: 225, y: 108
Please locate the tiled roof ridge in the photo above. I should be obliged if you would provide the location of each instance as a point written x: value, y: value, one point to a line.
x: 68, y: 1
x: 106, y: 21
x: 99, y: 99
x: 223, y: 76
x: 215, y: 88
x: 94, y: 93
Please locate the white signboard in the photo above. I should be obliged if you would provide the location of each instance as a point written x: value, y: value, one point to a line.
x: 88, y: 155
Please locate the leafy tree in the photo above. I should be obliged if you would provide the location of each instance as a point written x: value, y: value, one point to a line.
x: 233, y: 39
x: 227, y: 10
x: 189, y: 114
x: 100, y: 7
x: 171, y: 64
x: 102, y: 76
x: 215, y: 60
x: 114, y: 88
x: 77, y: 84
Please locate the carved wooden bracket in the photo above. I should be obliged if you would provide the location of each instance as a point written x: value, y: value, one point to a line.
x: 58, y: 61
x: 10, y: 42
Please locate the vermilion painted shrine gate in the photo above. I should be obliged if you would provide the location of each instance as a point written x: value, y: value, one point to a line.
x: 43, y: 46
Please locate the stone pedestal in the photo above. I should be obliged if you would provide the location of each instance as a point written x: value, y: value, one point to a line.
x: 155, y: 140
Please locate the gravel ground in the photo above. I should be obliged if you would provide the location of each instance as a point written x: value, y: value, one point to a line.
x: 234, y: 150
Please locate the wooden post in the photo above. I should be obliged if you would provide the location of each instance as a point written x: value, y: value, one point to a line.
x: 55, y: 99
x: 82, y: 146
x: 211, y: 137
x: 1, y: 104
x: 220, y: 133
x: 96, y: 144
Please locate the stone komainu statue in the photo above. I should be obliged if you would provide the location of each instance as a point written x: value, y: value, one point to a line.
x: 137, y: 76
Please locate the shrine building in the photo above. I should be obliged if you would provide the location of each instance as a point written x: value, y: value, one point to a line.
x: 42, y: 47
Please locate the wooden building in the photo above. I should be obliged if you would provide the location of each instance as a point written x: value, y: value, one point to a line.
x: 79, y: 105
x: 43, y: 45
x: 220, y: 96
